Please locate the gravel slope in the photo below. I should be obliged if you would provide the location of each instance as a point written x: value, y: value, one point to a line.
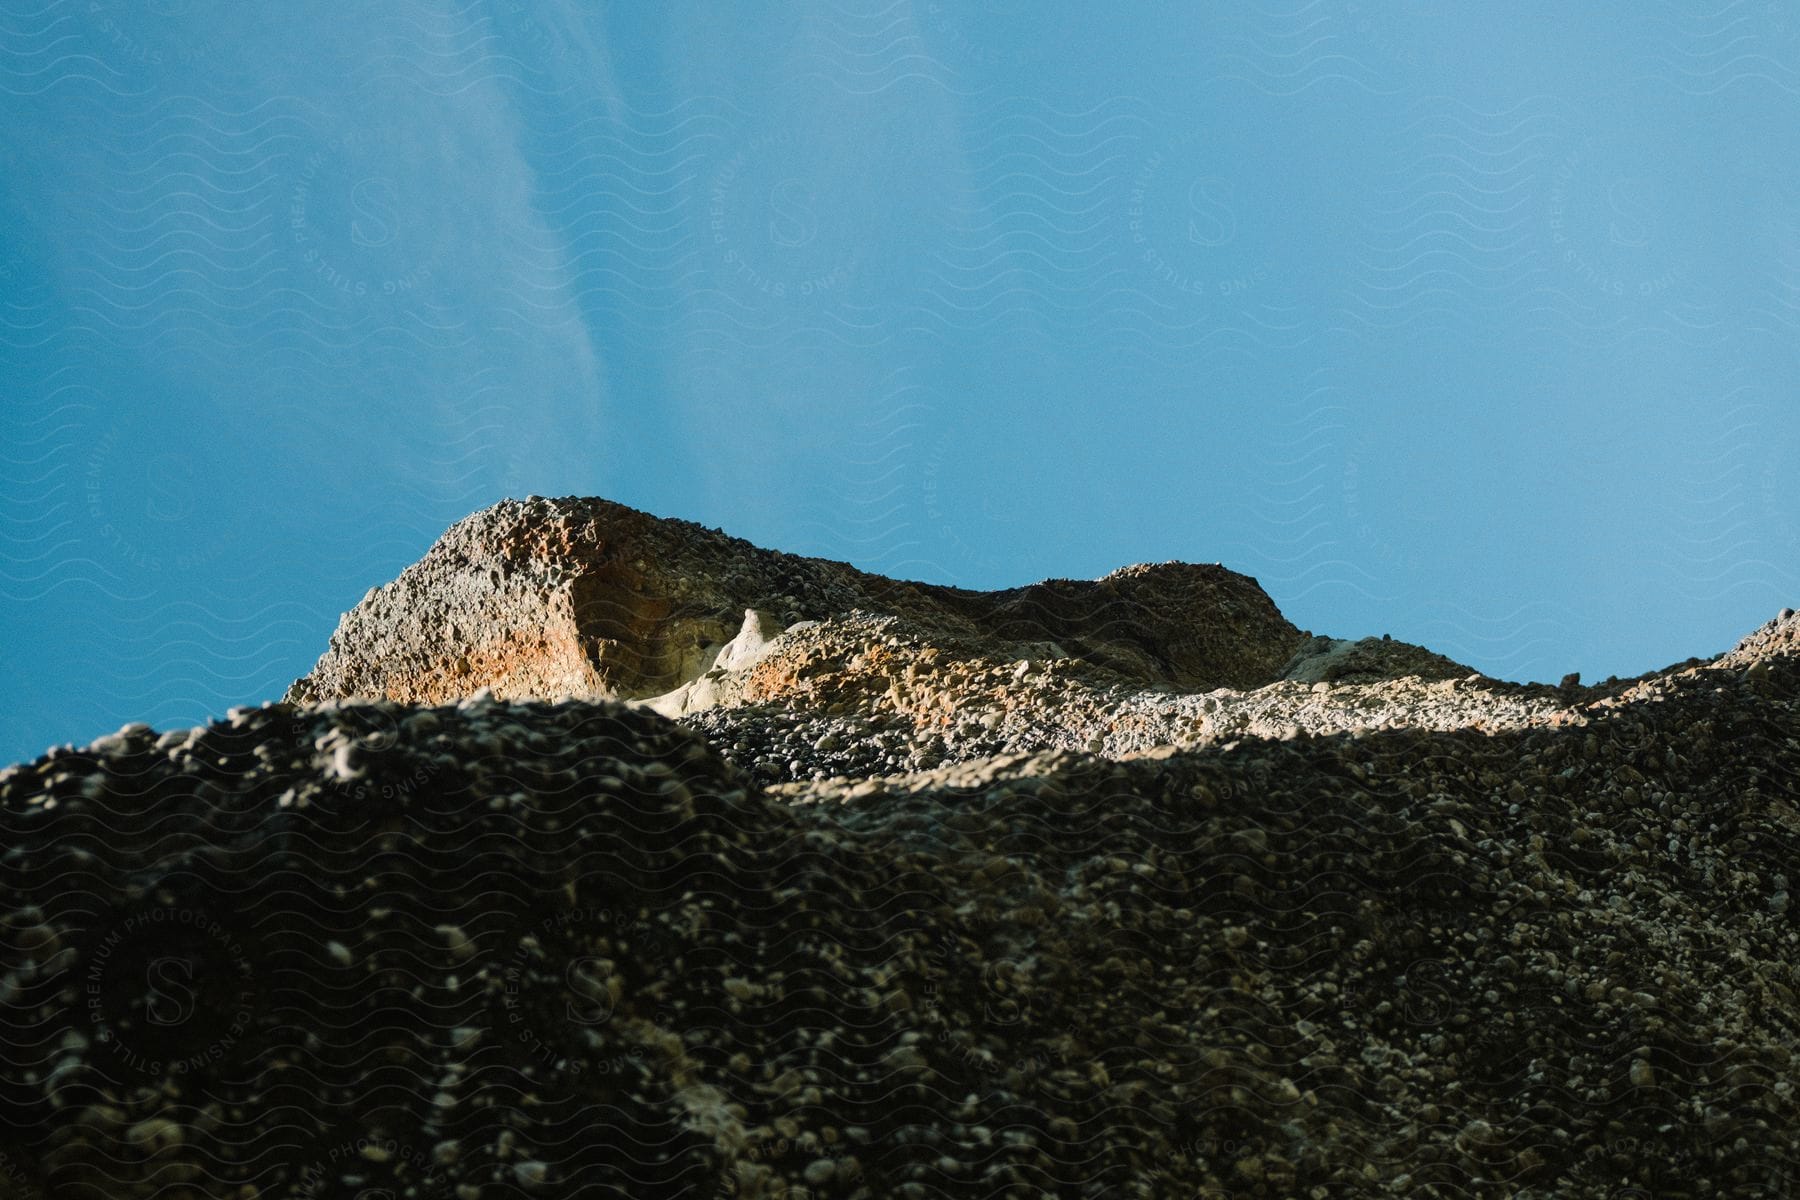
x: 501, y: 949
x: 1122, y: 887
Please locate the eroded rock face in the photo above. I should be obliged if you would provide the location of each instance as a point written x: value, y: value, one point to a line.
x: 547, y: 599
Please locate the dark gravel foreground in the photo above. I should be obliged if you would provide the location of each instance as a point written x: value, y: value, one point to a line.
x: 527, y: 949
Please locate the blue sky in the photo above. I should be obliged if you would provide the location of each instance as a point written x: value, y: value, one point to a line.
x: 1475, y: 327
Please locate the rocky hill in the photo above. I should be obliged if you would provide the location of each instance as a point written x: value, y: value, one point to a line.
x: 548, y: 599
x: 608, y: 855
x: 801, y: 667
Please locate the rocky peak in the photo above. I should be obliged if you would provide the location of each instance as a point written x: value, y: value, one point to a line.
x: 1124, y: 884
x: 581, y: 597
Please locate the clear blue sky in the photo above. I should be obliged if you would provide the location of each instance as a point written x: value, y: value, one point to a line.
x: 1475, y: 325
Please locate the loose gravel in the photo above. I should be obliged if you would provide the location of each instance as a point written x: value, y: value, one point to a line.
x: 1522, y: 943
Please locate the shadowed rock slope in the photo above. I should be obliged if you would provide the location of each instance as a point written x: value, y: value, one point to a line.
x: 1351, y: 936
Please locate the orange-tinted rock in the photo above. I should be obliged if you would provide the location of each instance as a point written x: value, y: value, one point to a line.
x: 542, y: 599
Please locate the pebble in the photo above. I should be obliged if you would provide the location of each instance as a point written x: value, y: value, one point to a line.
x: 155, y: 1135
x: 456, y: 940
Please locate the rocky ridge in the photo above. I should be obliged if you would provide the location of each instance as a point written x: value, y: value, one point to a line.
x: 935, y: 894
x: 789, y: 664
x: 583, y: 598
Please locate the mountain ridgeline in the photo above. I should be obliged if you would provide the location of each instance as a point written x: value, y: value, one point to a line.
x: 603, y: 854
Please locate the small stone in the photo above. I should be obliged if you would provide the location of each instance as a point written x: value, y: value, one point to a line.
x: 480, y: 698
x: 457, y: 940
x: 1642, y: 1074
x: 820, y: 1171
x: 346, y: 764
x: 340, y: 953
x: 1478, y: 1134
x: 531, y: 1174
x: 103, y: 1116
x: 154, y: 1135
